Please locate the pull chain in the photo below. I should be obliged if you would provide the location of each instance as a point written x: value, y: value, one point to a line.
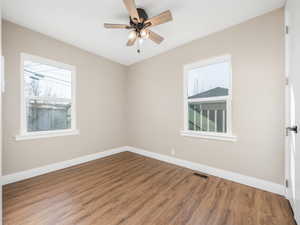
x: 138, y: 46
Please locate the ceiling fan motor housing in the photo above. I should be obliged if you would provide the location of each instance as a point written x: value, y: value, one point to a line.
x: 143, y: 17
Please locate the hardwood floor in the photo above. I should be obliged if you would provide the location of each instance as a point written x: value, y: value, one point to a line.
x: 130, y: 189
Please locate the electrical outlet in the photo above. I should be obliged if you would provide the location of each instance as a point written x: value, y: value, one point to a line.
x: 173, y: 151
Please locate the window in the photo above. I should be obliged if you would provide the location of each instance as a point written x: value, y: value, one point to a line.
x: 207, y: 99
x: 48, y: 98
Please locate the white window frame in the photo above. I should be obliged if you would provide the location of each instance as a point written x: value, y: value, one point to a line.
x: 228, y: 136
x: 24, y: 134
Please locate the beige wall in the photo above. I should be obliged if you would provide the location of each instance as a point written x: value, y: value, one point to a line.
x: 100, y: 102
x: 155, y: 100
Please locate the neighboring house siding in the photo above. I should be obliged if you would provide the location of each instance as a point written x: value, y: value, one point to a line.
x: 208, y: 116
x: 45, y: 117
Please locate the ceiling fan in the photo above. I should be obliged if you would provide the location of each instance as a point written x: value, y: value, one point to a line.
x: 139, y: 24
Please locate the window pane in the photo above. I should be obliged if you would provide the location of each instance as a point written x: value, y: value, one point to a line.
x: 209, y: 81
x: 208, y: 116
x: 47, y: 115
x: 206, y: 87
x: 48, y: 97
x: 46, y: 81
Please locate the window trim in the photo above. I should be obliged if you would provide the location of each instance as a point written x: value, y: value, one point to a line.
x: 228, y: 136
x: 23, y: 133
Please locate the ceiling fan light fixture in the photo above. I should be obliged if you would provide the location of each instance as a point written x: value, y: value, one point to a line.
x: 132, y: 35
x: 144, y: 34
x: 141, y: 41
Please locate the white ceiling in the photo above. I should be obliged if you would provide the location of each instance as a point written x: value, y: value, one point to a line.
x: 80, y: 22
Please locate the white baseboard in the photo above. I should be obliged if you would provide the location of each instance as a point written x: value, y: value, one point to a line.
x: 239, y: 178
x: 297, y: 217
x: 11, y: 178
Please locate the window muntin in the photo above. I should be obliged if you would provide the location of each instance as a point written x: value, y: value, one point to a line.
x: 48, y: 96
x: 208, y: 96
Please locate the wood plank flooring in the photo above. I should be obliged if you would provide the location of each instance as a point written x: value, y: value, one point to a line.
x: 129, y: 189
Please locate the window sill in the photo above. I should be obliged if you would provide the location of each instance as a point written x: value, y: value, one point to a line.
x: 45, y: 134
x: 206, y: 135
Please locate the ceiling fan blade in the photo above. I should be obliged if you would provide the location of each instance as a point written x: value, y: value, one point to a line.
x: 130, y: 5
x: 159, y: 19
x: 155, y: 37
x: 131, y: 42
x: 116, y: 26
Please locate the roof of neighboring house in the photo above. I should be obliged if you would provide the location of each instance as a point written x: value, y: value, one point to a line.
x: 215, y: 92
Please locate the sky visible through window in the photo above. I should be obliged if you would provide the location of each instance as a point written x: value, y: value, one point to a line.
x: 46, y: 81
x: 208, y: 77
